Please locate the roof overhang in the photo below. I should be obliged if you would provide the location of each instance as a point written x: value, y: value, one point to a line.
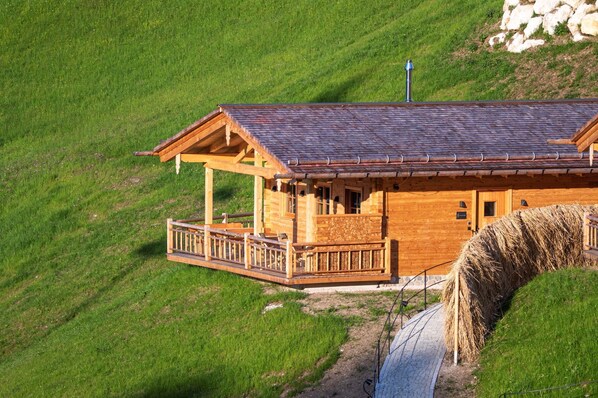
x: 222, y: 144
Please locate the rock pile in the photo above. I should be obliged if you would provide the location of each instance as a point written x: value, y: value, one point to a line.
x: 524, y: 18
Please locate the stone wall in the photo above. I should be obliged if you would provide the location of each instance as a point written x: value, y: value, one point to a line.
x: 524, y: 20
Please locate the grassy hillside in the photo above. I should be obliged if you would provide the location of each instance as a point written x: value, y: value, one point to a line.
x: 547, y: 338
x: 88, y: 304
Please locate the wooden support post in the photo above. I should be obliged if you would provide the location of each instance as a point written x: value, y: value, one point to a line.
x: 258, y: 198
x: 289, y: 262
x: 168, y: 236
x: 247, y: 250
x: 586, y: 231
x: 387, y: 248
x: 209, y: 195
x: 310, y: 211
x: 206, y: 244
x: 456, y: 320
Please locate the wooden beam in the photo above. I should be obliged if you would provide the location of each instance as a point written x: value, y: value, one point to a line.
x: 241, y: 168
x: 258, y: 197
x: 201, y: 133
x: 209, y: 196
x: 310, y: 211
x: 223, y: 143
x: 206, y: 157
x: 243, y: 154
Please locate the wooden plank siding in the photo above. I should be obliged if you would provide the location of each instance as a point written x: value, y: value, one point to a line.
x: 422, y: 213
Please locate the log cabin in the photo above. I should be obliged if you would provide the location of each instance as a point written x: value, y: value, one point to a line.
x: 586, y: 139
x: 372, y: 192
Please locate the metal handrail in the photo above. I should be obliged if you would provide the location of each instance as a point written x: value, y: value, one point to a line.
x: 389, y: 324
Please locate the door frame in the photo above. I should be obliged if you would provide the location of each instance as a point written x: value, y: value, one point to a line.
x: 474, y: 203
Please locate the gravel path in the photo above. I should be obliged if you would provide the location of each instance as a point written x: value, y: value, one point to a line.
x: 411, y: 368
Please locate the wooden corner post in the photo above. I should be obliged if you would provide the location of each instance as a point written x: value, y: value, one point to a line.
x: 289, y: 260
x: 586, y: 231
x: 387, y: 254
x: 247, y: 250
x: 169, y: 236
x: 310, y: 211
x: 258, y: 198
x: 209, y: 195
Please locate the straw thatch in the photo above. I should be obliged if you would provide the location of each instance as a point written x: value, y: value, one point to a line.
x: 502, y: 257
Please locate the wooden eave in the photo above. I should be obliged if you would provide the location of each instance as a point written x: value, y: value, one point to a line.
x: 222, y: 144
x: 587, y: 135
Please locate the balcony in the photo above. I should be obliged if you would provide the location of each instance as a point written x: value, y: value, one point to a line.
x: 232, y: 247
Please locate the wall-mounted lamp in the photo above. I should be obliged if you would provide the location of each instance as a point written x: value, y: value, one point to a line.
x: 336, y: 199
x: 395, y: 187
x: 462, y: 205
x: 524, y: 202
x: 274, y: 188
x: 301, y: 193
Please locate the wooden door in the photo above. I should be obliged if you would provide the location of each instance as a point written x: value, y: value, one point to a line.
x: 491, y: 205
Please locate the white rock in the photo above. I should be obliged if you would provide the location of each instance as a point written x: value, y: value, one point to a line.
x: 520, y: 16
x: 542, y: 7
x: 532, y: 43
x: 514, y: 45
x: 518, y: 43
x: 511, y: 3
x: 505, y: 20
x: 589, y: 24
x: 499, y: 38
x: 574, y: 3
x: 581, y: 12
x: 552, y: 20
x: 578, y: 37
x: 532, y: 26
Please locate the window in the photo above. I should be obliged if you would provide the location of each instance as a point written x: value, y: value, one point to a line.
x: 324, y: 204
x: 489, y: 209
x: 291, y: 203
x: 353, y: 201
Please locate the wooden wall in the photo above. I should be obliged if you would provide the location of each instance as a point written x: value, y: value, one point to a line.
x: 349, y: 227
x: 422, y: 212
x: 295, y: 226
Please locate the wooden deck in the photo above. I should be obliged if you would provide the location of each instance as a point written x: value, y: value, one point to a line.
x: 233, y: 248
x: 590, y: 236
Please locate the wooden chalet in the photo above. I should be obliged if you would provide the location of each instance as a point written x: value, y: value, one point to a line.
x: 356, y: 193
x: 586, y: 139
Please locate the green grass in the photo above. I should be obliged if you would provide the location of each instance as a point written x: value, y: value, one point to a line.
x: 88, y: 304
x: 546, y: 338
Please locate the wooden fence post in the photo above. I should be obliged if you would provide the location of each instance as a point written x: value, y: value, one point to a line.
x: 206, y: 243
x: 169, y: 236
x: 387, y: 248
x: 289, y: 263
x: 586, y: 231
x: 247, y: 250
x: 456, y: 319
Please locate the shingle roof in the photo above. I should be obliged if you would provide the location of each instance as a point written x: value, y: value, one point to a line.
x: 393, y: 137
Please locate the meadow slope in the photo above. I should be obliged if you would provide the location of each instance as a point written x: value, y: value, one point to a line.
x: 88, y: 304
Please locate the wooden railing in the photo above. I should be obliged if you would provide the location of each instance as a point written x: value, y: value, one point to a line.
x: 235, y: 244
x: 244, y: 218
x: 342, y: 257
x: 269, y: 254
x: 590, y: 232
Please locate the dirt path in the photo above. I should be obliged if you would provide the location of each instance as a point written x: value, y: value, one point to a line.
x: 366, y: 312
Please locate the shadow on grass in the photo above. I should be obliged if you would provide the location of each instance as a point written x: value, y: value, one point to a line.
x: 341, y: 92
x: 152, y: 249
x: 224, y: 193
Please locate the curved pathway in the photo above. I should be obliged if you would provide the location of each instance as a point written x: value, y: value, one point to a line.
x: 411, y: 368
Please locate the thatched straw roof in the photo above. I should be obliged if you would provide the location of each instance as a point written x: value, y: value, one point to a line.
x: 502, y: 257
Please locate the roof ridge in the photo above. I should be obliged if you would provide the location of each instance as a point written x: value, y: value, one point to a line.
x: 412, y: 104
